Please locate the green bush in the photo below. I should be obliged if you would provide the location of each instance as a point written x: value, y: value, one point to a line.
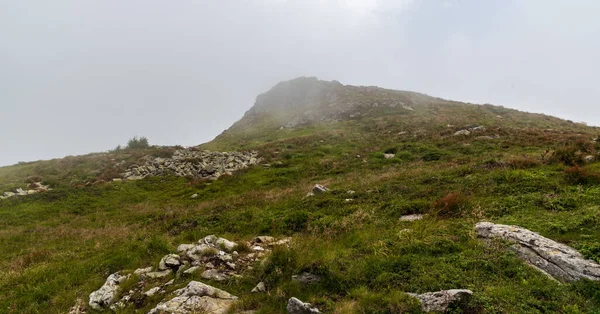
x: 137, y: 143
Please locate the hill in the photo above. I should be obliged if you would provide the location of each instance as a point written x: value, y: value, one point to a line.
x: 382, y: 154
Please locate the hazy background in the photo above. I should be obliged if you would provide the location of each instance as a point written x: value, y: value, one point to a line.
x: 80, y: 76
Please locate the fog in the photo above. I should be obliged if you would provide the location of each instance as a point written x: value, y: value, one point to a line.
x: 79, y: 76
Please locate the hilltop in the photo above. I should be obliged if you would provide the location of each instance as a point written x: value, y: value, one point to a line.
x: 378, y: 154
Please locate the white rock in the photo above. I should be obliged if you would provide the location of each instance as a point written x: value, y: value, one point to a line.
x: 141, y: 271
x: 197, y: 297
x: 191, y: 270
x: 440, y: 301
x: 462, y: 132
x: 318, y: 189
x: 225, y: 244
x: 105, y: 296
x: 389, y: 156
x: 260, y: 287
x: 169, y: 261
x: 411, y: 217
x: 213, y: 274
x: 296, y: 306
x: 158, y: 274
x: 554, y: 259
x: 152, y: 292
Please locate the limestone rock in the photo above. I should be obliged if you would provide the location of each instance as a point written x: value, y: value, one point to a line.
x: 411, y: 217
x: 264, y: 239
x: 170, y: 261
x: 105, y: 296
x: 213, y: 274
x: 158, y: 274
x: 296, y: 306
x: 318, y: 189
x: 197, y: 297
x: 389, y: 156
x: 191, y: 270
x: 550, y: 257
x: 440, y: 301
x: 225, y: 244
x: 260, y: 287
x: 462, y: 132
x: 78, y: 308
x: 142, y: 271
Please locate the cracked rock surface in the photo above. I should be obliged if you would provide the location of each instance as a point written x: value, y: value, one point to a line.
x: 554, y: 259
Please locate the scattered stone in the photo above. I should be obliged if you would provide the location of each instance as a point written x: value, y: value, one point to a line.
x: 350, y: 192
x: 194, y: 195
x: 78, y: 308
x: 257, y: 248
x: 264, y: 239
x: 296, y: 306
x: 197, y: 297
x: 158, y: 274
x: 37, y: 187
x: 554, y: 259
x: 168, y: 283
x: 152, y: 292
x: 589, y: 158
x: 318, y: 189
x: 171, y: 261
x: 440, y: 301
x: 260, y: 287
x: 191, y: 270
x: 142, y: 271
x: 411, y: 217
x: 462, y: 132
x: 389, y: 156
x: 306, y: 278
x: 225, y: 244
x: 348, y: 200
x: 213, y: 274
x: 105, y: 296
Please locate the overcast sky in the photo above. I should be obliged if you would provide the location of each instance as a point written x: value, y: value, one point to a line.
x: 78, y: 76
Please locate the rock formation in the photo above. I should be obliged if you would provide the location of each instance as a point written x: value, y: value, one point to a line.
x: 296, y: 306
x: 440, y: 301
x: 194, y: 164
x: 34, y: 188
x: 554, y: 259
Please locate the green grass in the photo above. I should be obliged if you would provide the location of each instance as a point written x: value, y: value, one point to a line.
x: 61, y: 245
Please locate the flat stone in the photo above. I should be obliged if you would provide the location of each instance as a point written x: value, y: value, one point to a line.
x: 260, y: 287
x: 554, y: 259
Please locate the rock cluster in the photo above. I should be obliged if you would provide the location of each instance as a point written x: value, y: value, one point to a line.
x: 440, y: 301
x: 193, y: 163
x: 197, y: 297
x: 215, y: 257
x: 35, y: 187
x: 554, y: 259
x: 469, y: 130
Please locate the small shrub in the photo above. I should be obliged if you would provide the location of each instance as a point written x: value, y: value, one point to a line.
x: 569, y: 155
x: 137, y: 143
x: 451, y: 205
x: 581, y: 175
x: 524, y: 162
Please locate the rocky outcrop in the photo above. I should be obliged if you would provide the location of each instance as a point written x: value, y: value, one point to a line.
x: 554, y: 259
x: 33, y: 188
x: 296, y: 306
x: 104, y: 297
x: 193, y: 163
x: 197, y: 297
x: 440, y: 301
x: 217, y: 259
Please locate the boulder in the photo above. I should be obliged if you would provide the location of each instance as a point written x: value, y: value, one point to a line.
x: 170, y: 261
x: 440, y: 301
x: 296, y: 306
x: 554, y: 259
x: 105, y: 296
x: 197, y: 297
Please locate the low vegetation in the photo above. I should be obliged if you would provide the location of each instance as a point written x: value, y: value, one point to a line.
x: 61, y: 245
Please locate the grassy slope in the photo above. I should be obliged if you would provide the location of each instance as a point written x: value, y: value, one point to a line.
x: 61, y: 245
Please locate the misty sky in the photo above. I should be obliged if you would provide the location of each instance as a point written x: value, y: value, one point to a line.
x: 79, y: 76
